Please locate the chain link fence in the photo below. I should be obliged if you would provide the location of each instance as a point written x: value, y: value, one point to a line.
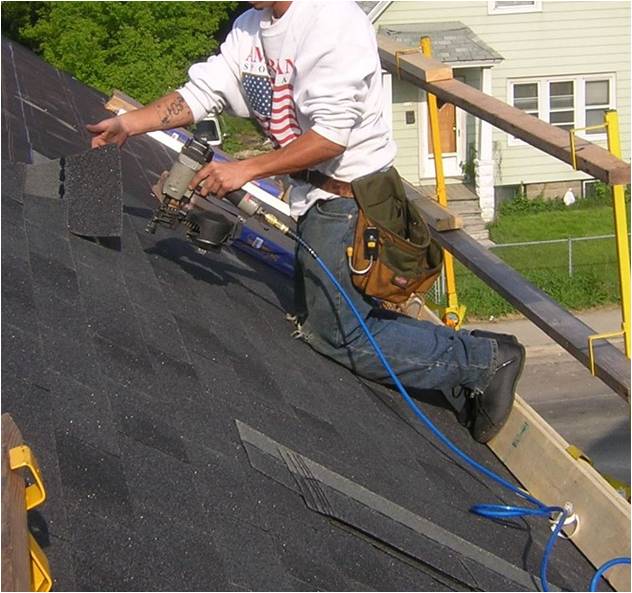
x: 579, y: 252
x: 578, y: 272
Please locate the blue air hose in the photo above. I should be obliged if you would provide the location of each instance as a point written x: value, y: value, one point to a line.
x: 415, y: 409
x: 603, y: 568
x: 485, y: 510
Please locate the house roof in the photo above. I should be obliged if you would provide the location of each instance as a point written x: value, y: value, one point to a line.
x: 373, y: 9
x: 367, y: 7
x: 187, y: 441
x: 452, y: 42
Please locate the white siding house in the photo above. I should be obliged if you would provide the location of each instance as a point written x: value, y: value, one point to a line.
x: 564, y: 61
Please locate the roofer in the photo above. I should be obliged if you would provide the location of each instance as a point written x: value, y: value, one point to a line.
x: 309, y: 72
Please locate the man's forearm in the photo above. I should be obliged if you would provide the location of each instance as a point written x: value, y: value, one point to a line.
x: 170, y: 111
x: 304, y: 152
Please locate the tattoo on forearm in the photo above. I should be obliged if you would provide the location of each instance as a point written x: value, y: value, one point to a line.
x: 172, y: 109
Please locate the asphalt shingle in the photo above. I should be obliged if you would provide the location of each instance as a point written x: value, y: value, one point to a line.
x: 452, y: 42
x: 92, y: 192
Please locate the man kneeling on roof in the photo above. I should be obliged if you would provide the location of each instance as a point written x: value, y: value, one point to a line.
x: 309, y: 72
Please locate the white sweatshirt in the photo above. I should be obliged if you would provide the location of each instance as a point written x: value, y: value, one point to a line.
x: 316, y: 67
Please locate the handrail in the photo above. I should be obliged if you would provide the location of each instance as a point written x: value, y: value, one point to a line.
x: 590, y: 158
x: 611, y: 365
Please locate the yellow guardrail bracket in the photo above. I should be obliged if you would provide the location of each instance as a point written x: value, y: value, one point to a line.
x: 576, y: 453
x: 621, y: 487
x: 591, y: 351
x: 611, y: 126
x: 22, y: 456
x: 41, y: 579
x: 571, y: 134
x: 453, y: 316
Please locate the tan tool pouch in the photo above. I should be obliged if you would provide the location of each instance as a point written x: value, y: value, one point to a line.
x: 408, y: 259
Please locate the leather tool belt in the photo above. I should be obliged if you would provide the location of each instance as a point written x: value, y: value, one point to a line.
x: 324, y: 182
x: 393, y: 253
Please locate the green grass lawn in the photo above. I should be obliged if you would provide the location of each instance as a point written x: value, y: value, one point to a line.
x: 594, y: 281
x: 562, y: 224
x: 241, y: 134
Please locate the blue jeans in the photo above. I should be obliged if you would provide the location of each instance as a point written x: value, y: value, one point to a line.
x: 425, y: 356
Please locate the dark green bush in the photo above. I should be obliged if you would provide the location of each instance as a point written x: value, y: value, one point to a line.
x: 520, y: 204
x: 599, y: 194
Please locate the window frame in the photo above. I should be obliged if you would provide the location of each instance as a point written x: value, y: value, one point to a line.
x: 598, y: 135
x: 573, y: 109
x: 493, y: 8
x: 579, y: 100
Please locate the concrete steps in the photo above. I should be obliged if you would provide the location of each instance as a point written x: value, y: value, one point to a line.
x: 463, y: 202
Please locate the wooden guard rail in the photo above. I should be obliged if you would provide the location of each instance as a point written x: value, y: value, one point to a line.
x: 437, y: 79
x: 611, y: 365
x: 572, y: 334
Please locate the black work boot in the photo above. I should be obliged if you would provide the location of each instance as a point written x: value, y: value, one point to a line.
x: 481, y: 333
x: 489, y: 410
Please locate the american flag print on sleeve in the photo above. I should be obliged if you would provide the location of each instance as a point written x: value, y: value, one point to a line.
x: 273, y: 104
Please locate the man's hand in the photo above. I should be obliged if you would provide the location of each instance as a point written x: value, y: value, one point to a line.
x: 220, y: 179
x: 170, y: 111
x: 108, y: 131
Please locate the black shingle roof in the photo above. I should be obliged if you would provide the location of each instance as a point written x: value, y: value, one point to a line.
x: 127, y: 365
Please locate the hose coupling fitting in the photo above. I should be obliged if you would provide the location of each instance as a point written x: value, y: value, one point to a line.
x: 273, y: 221
x: 571, y: 522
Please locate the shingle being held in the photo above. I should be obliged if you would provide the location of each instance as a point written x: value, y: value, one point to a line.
x: 92, y: 190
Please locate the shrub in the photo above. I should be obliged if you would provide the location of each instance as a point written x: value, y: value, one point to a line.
x: 520, y: 204
x: 598, y: 195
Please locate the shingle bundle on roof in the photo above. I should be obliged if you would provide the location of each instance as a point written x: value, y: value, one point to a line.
x: 187, y: 441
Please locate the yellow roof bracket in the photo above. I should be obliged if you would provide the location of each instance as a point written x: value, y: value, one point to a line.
x: 592, y: 339
x: 41, y: 578
x: 571, y: 134
x: 22, y: 456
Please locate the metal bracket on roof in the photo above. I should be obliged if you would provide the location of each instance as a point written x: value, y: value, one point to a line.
x: 22, y: 456
x: 35, y: 494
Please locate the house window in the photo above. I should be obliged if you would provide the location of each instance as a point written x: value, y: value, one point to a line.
x: 513, y: 6
x: 562, y: 104
x: 525, y: 97
x: 565, y: 102
x: 597, y: 102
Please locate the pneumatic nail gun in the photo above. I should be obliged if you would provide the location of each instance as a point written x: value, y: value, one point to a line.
x: 207, y: 227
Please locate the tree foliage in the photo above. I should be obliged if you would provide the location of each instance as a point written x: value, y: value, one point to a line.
x: 141, y: 48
